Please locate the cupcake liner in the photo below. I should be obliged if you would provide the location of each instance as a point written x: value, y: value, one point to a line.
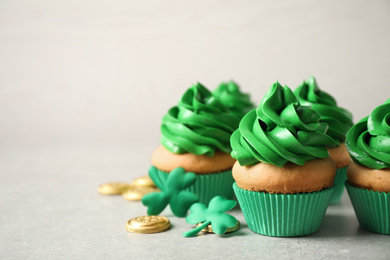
x: 207, y: 186
x: 341, y: 177
x: 372, y: 208
x: 283, y: 215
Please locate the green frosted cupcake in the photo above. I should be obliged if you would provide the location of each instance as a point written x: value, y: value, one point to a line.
x: 283, y: 174
x: 229, y: 93
x: 195, y: 136
x: 368, y: 184
x: 339, y: 121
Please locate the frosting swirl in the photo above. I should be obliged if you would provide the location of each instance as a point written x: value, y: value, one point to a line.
x: 368, y: 141
x: 199, y: 124
x: 338, y: 119
x: 280, y: 130
x: 230, y: 94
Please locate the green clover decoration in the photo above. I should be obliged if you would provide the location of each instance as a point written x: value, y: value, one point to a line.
x: 213, y: 215
x: 172, y: 192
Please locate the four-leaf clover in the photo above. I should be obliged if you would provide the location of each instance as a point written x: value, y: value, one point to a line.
x: 213, y: 215
x: 172, y: 192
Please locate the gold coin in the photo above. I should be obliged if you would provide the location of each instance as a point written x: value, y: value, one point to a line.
x: 136, y: 193
x: 148, y: 224
x: 209, y: 229
x: 113, y: 188
x: 144, y: 181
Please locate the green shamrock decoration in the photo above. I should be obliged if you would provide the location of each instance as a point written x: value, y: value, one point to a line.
x: 213, y: 215
x: 172, y: 192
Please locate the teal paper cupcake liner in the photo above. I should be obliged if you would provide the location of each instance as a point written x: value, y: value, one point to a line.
x: 341, y: 177
x: 208, y: 186
x: 283, y: 215
x: 372, y: 208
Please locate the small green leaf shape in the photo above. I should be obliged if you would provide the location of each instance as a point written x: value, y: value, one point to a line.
x: 172, y: 192
x: 213, y: 214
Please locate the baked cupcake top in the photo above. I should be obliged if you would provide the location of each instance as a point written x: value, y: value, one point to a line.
x: 280, y: 130
x: 199, y: 124
x: 229, y: 93
x: 339, y: 120
x: 368, y: 141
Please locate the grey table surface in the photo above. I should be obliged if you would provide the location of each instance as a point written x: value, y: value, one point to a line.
x: 50, y: 209
x: 84, y: 85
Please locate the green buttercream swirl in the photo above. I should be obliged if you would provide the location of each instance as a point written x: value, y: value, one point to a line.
x: 338, y: 119
x: 280, y: 130
x: 199, y: 124
x: 368, y: 141
x: 229, y: 93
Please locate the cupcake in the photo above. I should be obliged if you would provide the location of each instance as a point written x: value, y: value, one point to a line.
x: 368, y: 184
x: 196, y: 136
x: 283, y: 174
x: 229, y: 93
x: 339, y: 122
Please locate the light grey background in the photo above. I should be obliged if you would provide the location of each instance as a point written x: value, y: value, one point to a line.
x: 83, y: 87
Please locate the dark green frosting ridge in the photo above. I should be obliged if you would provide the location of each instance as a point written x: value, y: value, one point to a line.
x: 338, y: 119
x: 368, y: 141
x: 199, y: 124
x: 280, y: 130
x: 229, y: 93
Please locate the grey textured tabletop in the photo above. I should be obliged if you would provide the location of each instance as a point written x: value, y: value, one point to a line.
x: 83, y: 88
x: 51, y: 210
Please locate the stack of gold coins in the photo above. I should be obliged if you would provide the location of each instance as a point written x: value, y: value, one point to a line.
x: 139, y: 187
x: 137, y: 193
x: 133, y: 191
